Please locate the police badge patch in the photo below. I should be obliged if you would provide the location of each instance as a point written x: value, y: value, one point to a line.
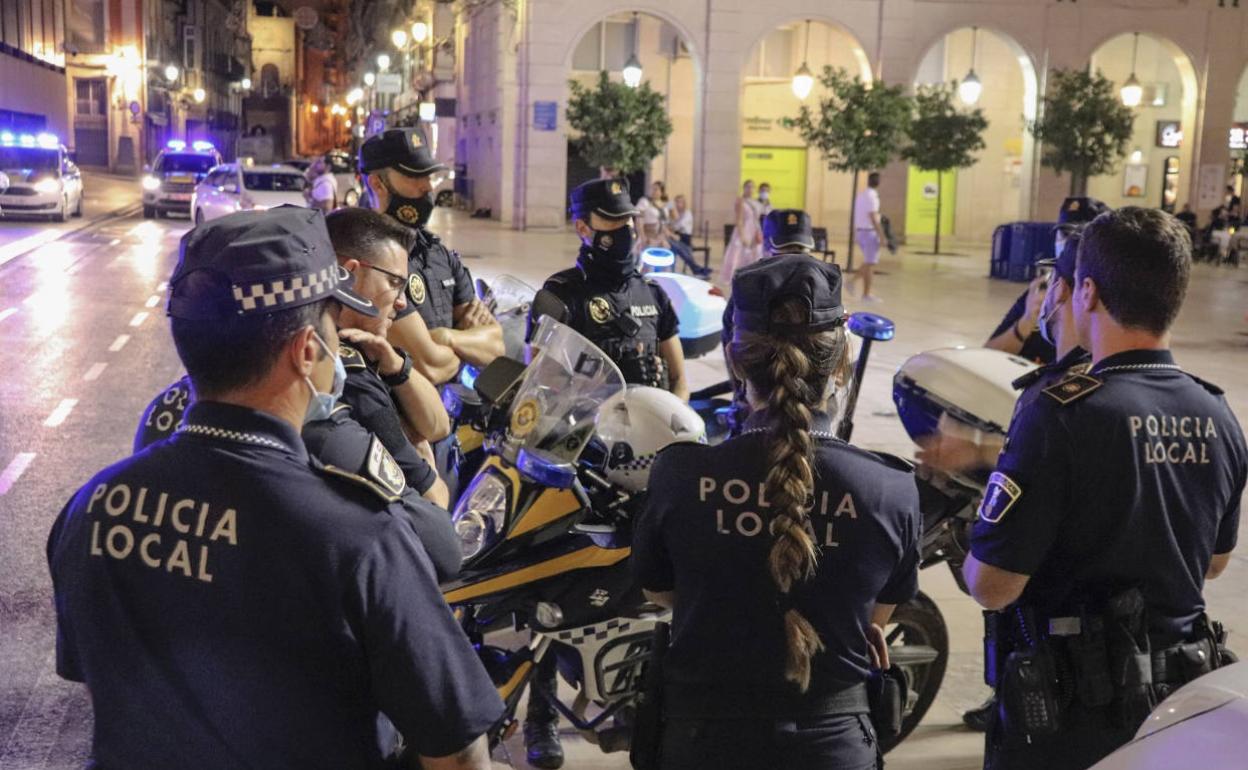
x: 599, y: 310
x: 408, y: 215
x: 383, y: 469
x: 524, y: 419
x: 416, y: 288
x: 999, y: 496
x: 1072, y: 388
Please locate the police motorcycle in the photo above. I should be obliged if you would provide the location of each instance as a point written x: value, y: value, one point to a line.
x: 545, y: 528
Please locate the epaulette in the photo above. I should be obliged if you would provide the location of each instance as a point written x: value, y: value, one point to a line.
x: 1073, y: 388
x: 386, y: 493
x: 1026, y: 380
x: 351, y: 358
x: 1209, y: 386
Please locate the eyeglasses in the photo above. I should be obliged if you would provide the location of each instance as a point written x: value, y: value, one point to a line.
x: 395, y: 280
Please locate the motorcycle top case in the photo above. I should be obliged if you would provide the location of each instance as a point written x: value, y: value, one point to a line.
x: 970, y: 385
x: 1017, y: 246
x: 701, y: 313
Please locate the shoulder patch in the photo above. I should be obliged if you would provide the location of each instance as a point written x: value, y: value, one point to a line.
x: 370, y: 485
x: 999, y: 496
x: 351, y: 358
x: 1073, y: 388
x: 383, y: 469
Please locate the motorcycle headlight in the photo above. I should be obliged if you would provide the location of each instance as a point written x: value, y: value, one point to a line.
x: 481, y: 514
x: 48, y: 186
x: 151, y: 183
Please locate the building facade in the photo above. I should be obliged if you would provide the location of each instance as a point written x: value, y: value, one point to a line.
x: 725, y: 64
x: 32, y: 65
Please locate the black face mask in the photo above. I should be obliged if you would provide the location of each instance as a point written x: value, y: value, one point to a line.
x: 609, y: 257
x: 413, y: 212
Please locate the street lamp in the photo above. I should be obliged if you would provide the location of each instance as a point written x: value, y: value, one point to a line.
x: 369, y: 79
x: 632, y: 67
x: 200, y: 95
x: 383, y: 61
x: 399, y: 38
x: 246, y: 84
x: 420, y: 31
x: 354, y: 95
x: 428, y: 111
x: 1132, y: 92
x: 171, y: 73
x: 970, y: 89
x: 803, y: 81
x: 315, y: 109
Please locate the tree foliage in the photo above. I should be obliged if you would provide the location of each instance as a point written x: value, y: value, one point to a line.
x: 857, y: 125
x: 1085, y: 128
x: 943, y: 138
x: 620, y: 128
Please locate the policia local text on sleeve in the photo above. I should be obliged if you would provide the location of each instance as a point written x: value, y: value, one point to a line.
x: 1116, y: 496
x: 230, y: 601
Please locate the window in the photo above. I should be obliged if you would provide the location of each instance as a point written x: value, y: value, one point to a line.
x: 606, y: 46
x: 86, y: 25
x: 189, y: 163
x: 265, y: 182
x: 90, y: 97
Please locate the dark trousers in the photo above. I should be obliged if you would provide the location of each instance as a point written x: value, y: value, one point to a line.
x: 447, y: 456
x: 1087, y: 736
x: 842, y: 742
x: 685, y: 251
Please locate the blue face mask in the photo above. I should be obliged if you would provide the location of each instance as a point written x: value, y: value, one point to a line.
x: 322, y: 405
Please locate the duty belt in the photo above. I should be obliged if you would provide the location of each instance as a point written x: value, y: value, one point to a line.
x: 696, y: 701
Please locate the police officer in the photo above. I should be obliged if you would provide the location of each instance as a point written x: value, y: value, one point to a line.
x: 1116, y: 497
x: 783, y: 551
x: 444, y: 324
x: 785, y: 231
x: 1019, y: 331
x: 608, y: 301
x: 229, y: 600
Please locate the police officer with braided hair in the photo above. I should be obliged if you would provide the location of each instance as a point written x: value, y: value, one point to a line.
x: 229, y: 600
x: 797, y: 541
x: 608, y: 300
x: 1116, y: 496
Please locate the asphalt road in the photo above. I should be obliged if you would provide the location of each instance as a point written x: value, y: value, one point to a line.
x: 85, y: 348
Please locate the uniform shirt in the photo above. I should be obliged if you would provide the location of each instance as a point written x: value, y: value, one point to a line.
x: 373, y: 407
x: 1130, y: 475
x: 591, y: 307
x: 437, y: 282
x: 868, y: 203
x: 1035, y: 348
x: 364, y: 393
x: 231, y: 603
x: 704, y: 535
x: 1032, y: 384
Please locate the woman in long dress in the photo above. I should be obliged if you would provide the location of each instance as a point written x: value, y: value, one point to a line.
x: 747, y: 237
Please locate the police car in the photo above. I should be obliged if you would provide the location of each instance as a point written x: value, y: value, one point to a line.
x: 170, y: 183
x: 43, y: 180
x: 234, y: 187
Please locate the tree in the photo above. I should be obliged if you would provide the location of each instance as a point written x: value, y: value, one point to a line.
x: 942, y: 138
x: 1085, y: 128
x: 857, y: 126
x: 621, y: 129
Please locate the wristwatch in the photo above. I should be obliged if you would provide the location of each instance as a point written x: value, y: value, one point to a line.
x: 401, y: 376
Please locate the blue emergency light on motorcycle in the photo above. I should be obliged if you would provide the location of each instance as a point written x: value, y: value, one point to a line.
x: 202, y: 146
x: 658, y: 257
x: 468, y: 376
x: 546, y: 470
x: 177, y: 145
x: 870, y: 326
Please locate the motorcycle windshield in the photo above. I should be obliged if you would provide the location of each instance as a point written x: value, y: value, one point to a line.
x: 511, y: 293
x: 556, y: 407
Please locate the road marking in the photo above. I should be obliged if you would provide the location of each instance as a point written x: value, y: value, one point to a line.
x: 7, y: 312
x: 153, y: 300
x: 163, y: 286
x: 119, y: 343
x: 94, y: 372
x: 17, y: 466
x: 139, y: 318
x: 60, y: 413
x: 16, y: 249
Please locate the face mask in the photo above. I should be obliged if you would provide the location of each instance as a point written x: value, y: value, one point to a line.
x: 1059, y: 244
x: 609, y: 256
x: 413, y: 212
x: 1048, y: 311
x: 322, y: 405
x: 764, y: 196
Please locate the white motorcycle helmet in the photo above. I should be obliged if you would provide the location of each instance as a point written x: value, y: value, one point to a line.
x: 636, y: 424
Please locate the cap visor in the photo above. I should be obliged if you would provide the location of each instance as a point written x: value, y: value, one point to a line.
x: 350, y: 299
x: 406, y: 170
x: 799, y: 242
x: 631, y: 212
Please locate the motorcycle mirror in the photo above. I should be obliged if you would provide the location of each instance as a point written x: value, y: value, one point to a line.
x: 548, y: 303
x: 497, y: 380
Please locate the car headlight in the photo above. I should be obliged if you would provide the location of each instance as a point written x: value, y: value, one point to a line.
x: 48, y: 186
x: 481, y: 514
x: 151, y: 183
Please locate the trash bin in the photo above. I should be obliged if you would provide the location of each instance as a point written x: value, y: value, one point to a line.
x: 1017, y: 246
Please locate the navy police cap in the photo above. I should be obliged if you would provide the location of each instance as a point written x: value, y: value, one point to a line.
x: 403, y: 149
x: 605, y: 197
x: 788, y: 227
x: 757, y: 288
x: 257, y: 262
x: 1079, y: 211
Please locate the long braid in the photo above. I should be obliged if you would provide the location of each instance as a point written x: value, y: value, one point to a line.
x: 791, y: 374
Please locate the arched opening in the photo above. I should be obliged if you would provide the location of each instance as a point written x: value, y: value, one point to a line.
x: 1158, y: 168
x: 997, y: 188
x: 1238, y: 139
x: 668, y: 66
x: 775, y: 154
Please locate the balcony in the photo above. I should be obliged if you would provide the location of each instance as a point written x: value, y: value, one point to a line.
x: 226, y: 66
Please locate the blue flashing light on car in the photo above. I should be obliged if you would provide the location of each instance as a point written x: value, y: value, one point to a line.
x: 7, y: 137
x: 26, y: 140
x: 658, y: 257
x: 202, y: 146
x: 48, y: 140
x: 176, y: 145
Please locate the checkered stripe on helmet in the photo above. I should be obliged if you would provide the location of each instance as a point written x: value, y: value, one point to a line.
x: 268, y: 295
x: 585, y: 634
x: 639, y: 463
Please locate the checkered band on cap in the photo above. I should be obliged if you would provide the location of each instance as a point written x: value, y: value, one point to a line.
x: 285, y: 292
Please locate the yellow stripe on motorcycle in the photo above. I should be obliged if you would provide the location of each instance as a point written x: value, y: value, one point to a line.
x: 591, y: 556
x: 550, y: 505
x: 516, y: 680
x: 469, y: 439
